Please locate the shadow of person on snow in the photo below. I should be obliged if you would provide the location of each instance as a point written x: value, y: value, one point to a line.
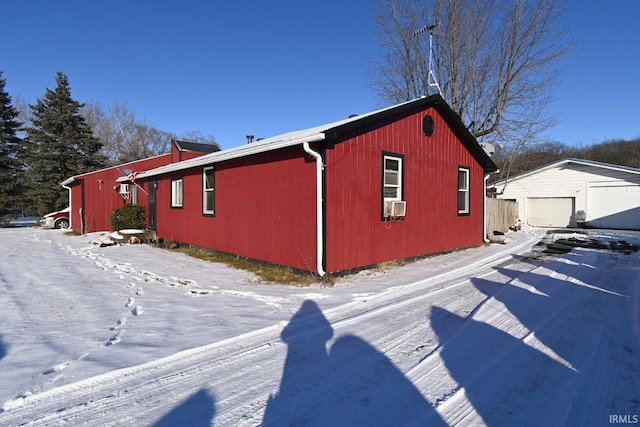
x: 352, y: 384
x: 571, y: 306
x: 571, y: 290
x: 197, y: 411
x: 498, y: 373
x: 3, y: 348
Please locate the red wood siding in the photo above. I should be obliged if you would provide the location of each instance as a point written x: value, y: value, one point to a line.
x: 76, y: 206
x: 100, y: 195
x: 356, y: 234
x: 265, y: 208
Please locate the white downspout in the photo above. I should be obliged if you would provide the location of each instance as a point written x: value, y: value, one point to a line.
x: 319, y: 218
x: 484, y: 202
x: 66, y: 187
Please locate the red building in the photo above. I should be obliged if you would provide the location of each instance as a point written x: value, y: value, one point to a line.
x: 396, y: 183
x: 93, y: 196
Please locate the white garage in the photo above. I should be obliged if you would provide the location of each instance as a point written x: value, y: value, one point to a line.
x: 550, y: 211
x: 570, y: 192
x: 614, y: 205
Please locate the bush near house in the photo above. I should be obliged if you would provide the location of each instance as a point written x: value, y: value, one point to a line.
x: 128, y: 216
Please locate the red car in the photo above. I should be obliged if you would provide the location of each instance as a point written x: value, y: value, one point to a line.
x: 59, y: 219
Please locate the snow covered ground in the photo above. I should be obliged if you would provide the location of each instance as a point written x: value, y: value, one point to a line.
x: 494, y: 335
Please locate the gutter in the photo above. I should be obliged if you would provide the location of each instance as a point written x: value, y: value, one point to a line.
x: 234, y: 153
x: 65, y: 185
x: 484, y: 206
x: 319, y: 204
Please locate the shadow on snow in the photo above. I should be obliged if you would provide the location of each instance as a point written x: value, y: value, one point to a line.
x: 350, y: 384
x: 557, y: 357
x: 197, y: 411
x: 548, y: 363
x: 3, y: 349
x: 494, y: 369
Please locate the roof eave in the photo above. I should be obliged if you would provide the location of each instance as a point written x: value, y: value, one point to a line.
x: 436, y: 101
x: 467, y: 139
x: 568, y: 161
x: 333, y: 130
x: 233, y: 153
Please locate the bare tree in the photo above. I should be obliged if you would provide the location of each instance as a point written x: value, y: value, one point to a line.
x: 495, y: 61
x: 124, y: 137
x: 24, y: 112
x: 618, y: 152
x: 198, y: 136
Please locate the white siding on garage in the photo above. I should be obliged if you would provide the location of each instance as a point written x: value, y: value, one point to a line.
x: 569, y: 180
x: 614, y: 205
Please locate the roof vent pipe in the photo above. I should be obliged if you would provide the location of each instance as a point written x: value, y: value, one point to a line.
x: 249, y: 139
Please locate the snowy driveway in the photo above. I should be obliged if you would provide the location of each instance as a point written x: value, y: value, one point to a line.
x: 495, y: 335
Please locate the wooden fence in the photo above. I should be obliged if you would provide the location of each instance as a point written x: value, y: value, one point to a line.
x: 501, y: 214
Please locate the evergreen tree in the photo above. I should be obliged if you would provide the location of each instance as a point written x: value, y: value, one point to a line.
x: 10, y: 165
x: 60, y: 144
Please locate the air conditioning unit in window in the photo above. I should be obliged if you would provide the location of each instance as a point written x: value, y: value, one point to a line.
x: 395, y: 209
x: 124, y: 191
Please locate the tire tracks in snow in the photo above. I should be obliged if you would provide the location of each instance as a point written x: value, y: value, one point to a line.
x: 224, y: 364
x: 566, y: 292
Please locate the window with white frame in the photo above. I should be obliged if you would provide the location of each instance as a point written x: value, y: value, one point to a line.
x: 463, y: 191
x: 208, y: 191
x: 392, y: 177
x: 176, y: 193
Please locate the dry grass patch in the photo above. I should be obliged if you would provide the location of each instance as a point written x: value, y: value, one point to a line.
x: 266, y: 273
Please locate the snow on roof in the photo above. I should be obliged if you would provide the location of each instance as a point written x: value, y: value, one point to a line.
x: 181, y: 145
x: 73, y: 178
x: 289, y: 139
x: 568, y: 161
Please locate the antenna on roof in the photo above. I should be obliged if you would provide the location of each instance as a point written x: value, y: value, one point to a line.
x: 431, y: 75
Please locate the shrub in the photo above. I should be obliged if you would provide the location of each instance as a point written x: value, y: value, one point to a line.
x: 128, y: 216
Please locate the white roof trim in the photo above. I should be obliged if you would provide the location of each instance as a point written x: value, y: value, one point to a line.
x: 289, y: 139
x: 567, y: 162
x: 233, y: 153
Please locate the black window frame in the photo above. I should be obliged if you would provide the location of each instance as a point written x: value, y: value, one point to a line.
x: 383, y: 184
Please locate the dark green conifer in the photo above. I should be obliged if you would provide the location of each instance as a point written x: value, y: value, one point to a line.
x: 60, y: 144
x: 10, y: 165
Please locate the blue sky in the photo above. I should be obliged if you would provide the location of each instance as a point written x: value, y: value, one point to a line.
x: 265, y: 68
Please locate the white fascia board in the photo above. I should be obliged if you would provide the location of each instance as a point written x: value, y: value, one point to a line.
x: 289, y: 139
x: 569, y: 161
x: 67, y: 181
x: 609, y: 166
x: 296, y: 138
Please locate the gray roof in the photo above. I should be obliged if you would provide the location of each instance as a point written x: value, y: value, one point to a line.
x: 331, y: 130
x: 196, y: 147
x: 567, y: 161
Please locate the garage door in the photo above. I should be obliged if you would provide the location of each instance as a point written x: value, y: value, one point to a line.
x: 550, y: 211
x: 614, y: 205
